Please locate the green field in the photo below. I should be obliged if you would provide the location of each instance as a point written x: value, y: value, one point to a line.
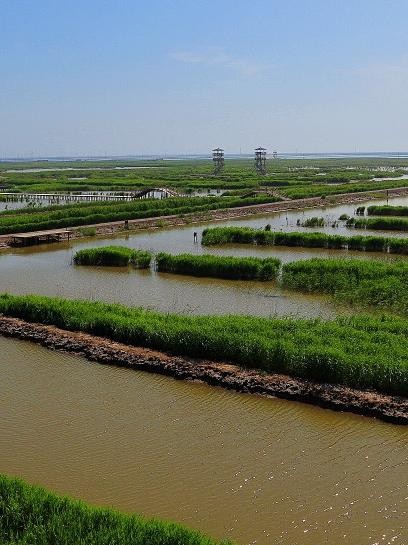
x: 293, y: 178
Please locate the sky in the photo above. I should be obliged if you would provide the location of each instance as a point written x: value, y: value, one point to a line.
x: 131, y: 77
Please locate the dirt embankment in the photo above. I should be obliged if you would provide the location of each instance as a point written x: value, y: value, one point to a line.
x: 97, y: 349
x: 229, y: 213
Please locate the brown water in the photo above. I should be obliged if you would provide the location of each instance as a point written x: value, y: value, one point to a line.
x: 257, y: 470
x: 48, y: 270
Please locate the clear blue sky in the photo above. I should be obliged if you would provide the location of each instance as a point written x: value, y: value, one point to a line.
x: 120, y: 77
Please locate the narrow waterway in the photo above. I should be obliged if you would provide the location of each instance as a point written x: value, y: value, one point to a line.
x: 256, y: 470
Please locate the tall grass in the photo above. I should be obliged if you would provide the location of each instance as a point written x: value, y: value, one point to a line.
x: 30, y: 515
x: 357, y: 353
x: 114, y: 256
x: 387, y: 210
x: 360, y: 282
x: 239, y: 268
x: 247, y: 235
x: 382, y: 223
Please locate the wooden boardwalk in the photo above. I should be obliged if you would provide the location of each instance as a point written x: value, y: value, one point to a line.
x: 38, y: 237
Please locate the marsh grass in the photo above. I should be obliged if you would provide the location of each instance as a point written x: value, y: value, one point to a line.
x: 366, y: 352
x: 30, y: 515
x: 237, y: 268
x: 113, y: 256
x: 247, y: 235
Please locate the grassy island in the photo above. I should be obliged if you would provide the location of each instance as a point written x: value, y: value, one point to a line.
x: 238, y: 268
x: 113, y: 256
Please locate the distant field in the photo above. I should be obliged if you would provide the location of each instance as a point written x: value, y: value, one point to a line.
x: 294, y: 178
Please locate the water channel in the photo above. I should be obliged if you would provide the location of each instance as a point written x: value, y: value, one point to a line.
x: 256, y: 470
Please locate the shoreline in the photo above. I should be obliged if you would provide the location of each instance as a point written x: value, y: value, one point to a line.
x: 110, y: 228
x: 392, y: 409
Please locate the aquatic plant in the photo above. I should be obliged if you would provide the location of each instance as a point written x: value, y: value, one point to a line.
x: 113, y: 256
x: 313, y: 222
x: 238, y: 268
x: 247, y: 235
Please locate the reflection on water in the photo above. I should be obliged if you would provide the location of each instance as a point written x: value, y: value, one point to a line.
x: 257, y: 470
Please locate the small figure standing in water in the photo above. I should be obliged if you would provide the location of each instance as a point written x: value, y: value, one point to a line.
x: 195, y: 237
x: 126, y: 224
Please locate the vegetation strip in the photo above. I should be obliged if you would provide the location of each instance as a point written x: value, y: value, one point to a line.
x: 383, y: 224
x: 30, y: 514
x: 87, y: 214
x: 113, y: 256
x: 262, y: 237
x: 387, y: 210
x: 237, y: 268
x: 97, y: 349
x: 358, y: 352
x: 357, y: 281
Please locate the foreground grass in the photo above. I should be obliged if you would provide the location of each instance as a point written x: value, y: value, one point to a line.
x: 30, y: 515
x: 362, y: 352
x: 238, y: 268
x: 247, y: 235
x: 113, y: 256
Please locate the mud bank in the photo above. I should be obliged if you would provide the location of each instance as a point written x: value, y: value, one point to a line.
x: 368, y: 403
x: 222, y: 215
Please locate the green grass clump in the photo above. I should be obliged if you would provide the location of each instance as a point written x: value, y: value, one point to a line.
x: 360, y: 353
x: 246, y: 235
x: 387, y: 210
x: 30, y: 515
x: 237, y: 268
x: 384, y: 224
x: 88, y: 231
x: 113, y: 256
x: 313, y: 222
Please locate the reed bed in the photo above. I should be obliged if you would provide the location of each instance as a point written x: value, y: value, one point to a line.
x: 31, y: 515
x: 363, y: 352
x: 359, y: 282
x: 313, y: 222
x: 113, y: 256
x: 247, y: 235
x: 236, y: 268
x: 381, y: 223
x: 387, y: 210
